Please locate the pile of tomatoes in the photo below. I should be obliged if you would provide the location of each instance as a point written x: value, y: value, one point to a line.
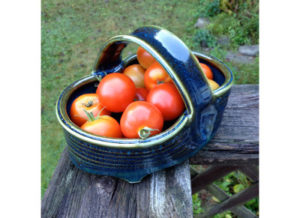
x: 143, y: 94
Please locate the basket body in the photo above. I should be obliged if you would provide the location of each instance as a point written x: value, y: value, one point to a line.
x: 134, y: 163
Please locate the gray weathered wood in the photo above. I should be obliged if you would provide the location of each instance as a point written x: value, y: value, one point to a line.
x: 236, y: 141
x: 73, y: 193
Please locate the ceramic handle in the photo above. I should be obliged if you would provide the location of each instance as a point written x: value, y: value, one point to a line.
x: 171, y: 53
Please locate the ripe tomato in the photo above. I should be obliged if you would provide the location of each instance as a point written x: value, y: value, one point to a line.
x: 141, y: 94
x: 103, y: 126
x: 88, y: 102
x: 116, y: 91
x: 141, y: 120
x: 144, y: 58
x: 212, y: 84
x: 206, y: 69
x: 136, y: 73
x: 155, y: 75
x: 167, y: 99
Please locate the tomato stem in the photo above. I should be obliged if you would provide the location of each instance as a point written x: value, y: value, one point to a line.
x: 146, y: 132
x: 98, y: 115
x: 91, y: 116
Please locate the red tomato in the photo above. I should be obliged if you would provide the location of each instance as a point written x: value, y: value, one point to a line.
x: 167, y: 99
x: 206, y: 69
x: 144, y: 58
x: 136, y: 73
x: 141, y: 120
x: 88, y: 102
x: 103, y: 126
x: 141, y: 94
x: 116, y: 91
x: 155, y: 75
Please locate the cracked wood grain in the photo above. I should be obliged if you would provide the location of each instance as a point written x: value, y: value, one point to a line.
x: 74, y: 193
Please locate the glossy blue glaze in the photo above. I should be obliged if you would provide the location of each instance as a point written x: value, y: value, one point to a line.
x: 132, y: 164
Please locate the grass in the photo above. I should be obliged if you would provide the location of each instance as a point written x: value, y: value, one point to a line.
x: 74, y: 30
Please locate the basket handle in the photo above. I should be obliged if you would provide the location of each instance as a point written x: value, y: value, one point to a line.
x: 180, y: 63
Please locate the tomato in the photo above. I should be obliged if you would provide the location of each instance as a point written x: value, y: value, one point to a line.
x: 167, y: 99
x: 141, y: 94
x: 88, y: 102
x: 116, y: 91
x: 103, y: 126
x: 206, y: 69
x: 213, y: 85
x: 144, y: 58
x: 141, y: 119
x: 155, y: 75
x: 136, y: 73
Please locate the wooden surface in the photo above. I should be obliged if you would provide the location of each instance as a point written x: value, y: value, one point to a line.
x: 236, y: 141
x: 73, y: 193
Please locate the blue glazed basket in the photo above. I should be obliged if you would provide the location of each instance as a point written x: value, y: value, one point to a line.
x: 133, y: 159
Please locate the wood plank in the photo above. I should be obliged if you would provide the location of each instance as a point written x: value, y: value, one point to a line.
x: 234, y: 200
x: 210, y: 175
x: 236, y: 141
x: 240, y: 211
x: 251, y: 172
x: 73, y: 193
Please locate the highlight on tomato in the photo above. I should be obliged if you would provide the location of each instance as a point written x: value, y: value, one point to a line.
x: 144, y: 58
x: 167, y: 99
x: 104, y: 125
x: 116, y: 91
x: 88, y: 102
x: 206, y: 69
x: 141, y: 94
x: 136, y: 73
x: 155, y: 75
x: 141, y: 119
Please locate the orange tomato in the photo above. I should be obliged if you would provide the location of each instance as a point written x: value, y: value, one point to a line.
x: 206, y: 69
x: 141, y: 119
x: 103, y: 126
x: 115, y: 92
x: 167, y: 99
x: 213, y: 85
x: 88, y: 102
x: 136, y: 73
x: 141, y: 94
x: 155, y: 75
x: 144, y: 58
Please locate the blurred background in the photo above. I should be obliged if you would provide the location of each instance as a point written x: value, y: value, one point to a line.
x: 74, y: 30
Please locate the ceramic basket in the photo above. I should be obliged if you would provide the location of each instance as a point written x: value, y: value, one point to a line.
x: 133, y: 159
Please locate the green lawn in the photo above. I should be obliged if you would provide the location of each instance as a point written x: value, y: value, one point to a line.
x: 74, y: 30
